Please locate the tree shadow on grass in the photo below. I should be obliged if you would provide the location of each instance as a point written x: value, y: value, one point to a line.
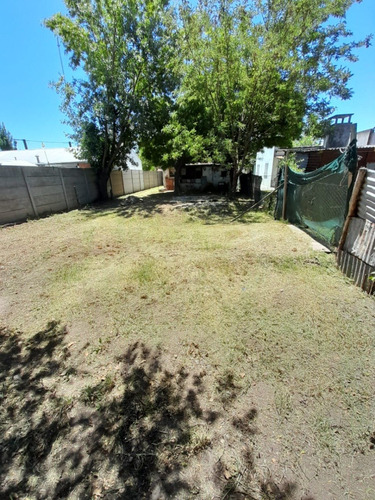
x: 28, y: 431
x: 131, y: 205
x: 208, y: 208
x: 141, y: 434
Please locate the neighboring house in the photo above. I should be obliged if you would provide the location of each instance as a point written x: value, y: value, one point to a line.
x: 17, y: 163
x: 342, y: 132
x: 55, y: 157
x: 52, y: 157
x: 310, y: 158
x: 204, y: 177
x: 366, y: 138
x: 266, y: 167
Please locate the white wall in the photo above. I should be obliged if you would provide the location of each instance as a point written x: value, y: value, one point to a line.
x: 266, y: 167
x: 132, y: 181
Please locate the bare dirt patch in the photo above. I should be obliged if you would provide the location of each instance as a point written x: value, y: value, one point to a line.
x: 159, y: 352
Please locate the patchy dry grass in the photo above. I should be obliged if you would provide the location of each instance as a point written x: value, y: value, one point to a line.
x: 185, y: 356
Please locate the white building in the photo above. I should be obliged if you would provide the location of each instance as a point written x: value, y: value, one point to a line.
x: 133, y: 161
x: 55, y: 157
x: 44, y: 157
x: 266, y: 166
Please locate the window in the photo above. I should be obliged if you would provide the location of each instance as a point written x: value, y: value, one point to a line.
x: 192, y: 172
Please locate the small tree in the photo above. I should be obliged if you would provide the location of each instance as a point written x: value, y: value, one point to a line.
x: 6, y: 140
x: 124, y: 49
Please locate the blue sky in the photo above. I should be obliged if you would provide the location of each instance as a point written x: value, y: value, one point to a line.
x: 30, y: 60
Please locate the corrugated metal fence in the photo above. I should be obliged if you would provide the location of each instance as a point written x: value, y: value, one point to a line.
x: 357, y: 257
x: 29, y: 192
x: 132, y: 181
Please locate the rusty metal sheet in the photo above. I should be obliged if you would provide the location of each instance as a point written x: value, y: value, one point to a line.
x: 360, y: 241
x: 356, y: 270
x: 366, y: 205
x: 355, y: 228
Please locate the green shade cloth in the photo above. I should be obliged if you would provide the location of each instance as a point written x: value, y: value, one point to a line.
x: 318, y: 200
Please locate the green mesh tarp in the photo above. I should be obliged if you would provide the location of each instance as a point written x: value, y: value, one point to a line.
x: 318, y: 200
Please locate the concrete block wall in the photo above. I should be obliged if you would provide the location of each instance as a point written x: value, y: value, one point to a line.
x: 132, y: 181
x: 29, y: 192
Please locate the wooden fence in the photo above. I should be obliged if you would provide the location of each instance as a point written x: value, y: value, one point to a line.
x: 29, y: 192
x: 356, y: 254
x: 132, y: 181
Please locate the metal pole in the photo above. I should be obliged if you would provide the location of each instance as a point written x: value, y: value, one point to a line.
x: 285, y: 188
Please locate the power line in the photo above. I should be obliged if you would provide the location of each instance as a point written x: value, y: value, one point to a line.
x: 45, y: 142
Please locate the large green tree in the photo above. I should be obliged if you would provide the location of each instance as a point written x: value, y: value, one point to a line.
x: 6, y: 140
x: 183, y: 134
x: 124, y: 49
x: 259, y: 67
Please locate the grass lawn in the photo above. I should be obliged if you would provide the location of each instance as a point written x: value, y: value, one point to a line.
x: 156, y: 350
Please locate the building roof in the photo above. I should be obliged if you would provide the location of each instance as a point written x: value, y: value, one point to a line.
x: 366, y: 137
x: 42, y: 156
x: 54, y: 156
x: 17, y: 163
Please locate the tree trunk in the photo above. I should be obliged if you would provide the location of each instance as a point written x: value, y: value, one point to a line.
x: 235, y: 173
x: 103, y: 177
x: 178, y: 166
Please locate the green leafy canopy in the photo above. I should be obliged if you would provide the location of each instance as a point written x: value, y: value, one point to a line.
x: 124, y: 50
x: 260, y: 67
x: 216, y: 80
